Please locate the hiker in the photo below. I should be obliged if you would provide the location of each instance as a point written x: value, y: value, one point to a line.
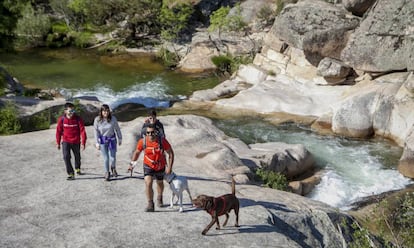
x: 107, y: 132
x: 152, y: 119
x: 155, y: 164
x: 70, y: 133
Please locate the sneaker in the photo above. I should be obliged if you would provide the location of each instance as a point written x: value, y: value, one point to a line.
x: 114, y: 172
x: 150, y: 207
x: 78, y: 172
x: 107, y: 176
x: 159, y: 202
x: 71, y: 177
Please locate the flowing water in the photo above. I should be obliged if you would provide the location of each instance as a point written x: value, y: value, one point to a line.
x: 352, y: 168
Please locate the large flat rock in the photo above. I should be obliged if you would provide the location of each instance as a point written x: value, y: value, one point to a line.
x: 39, y: 208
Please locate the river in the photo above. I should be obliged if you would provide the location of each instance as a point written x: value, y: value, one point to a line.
x: 352, y: 168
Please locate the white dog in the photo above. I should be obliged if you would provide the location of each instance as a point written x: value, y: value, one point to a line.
x: 177, y: 185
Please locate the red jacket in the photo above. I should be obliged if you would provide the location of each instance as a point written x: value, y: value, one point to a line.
x: 72, y: 130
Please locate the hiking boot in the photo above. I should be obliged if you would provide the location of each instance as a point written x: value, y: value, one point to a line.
x: 78, y: 172
x: 114, y: 173
x: 159, y: 201
x: 71, y: 177
x: 150, y: 207
x: 107, y: 175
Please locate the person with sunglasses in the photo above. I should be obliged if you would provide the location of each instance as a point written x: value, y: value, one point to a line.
x: 107, y: 133
x: 71, y: 135
x: 154, y: 164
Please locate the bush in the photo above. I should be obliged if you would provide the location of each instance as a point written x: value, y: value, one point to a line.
x: 222, y: 62
x: 82, y: 39
x: 168, y: 58
x: 230, y: 64
x: 59, y: 36
x: 273, y: 179
x: 9, y: 122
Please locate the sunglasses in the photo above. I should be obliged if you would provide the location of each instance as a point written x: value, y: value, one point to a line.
x: 72, y: 111
x: 151, y: 132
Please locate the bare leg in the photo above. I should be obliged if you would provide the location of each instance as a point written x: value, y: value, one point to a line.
x: 148, y: 188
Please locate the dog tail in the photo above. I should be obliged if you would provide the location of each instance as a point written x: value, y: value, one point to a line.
x: 233, y: 186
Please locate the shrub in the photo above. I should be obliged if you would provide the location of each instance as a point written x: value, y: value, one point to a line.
x: 168, y: 58
x: 273, y: 179
x: 222, y: 62
x: 82, y: 39
x: 9, y: 122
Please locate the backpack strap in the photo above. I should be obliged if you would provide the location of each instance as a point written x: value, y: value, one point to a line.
x: 144, y: 143
x: 77, y: 119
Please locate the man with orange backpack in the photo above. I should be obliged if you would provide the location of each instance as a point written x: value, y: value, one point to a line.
x: 70, y: 133
x: 155, y: 163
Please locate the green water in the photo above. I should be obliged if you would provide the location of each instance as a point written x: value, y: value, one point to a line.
x: 85, y: 69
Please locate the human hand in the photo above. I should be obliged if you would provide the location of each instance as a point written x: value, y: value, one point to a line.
x: 132, y: 164
x: 98, y: 147
x: 58, y: 146
x: 119, y: 142
x: 83, y: 147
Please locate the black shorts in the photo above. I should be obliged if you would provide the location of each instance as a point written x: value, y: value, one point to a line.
x: 148, y: 171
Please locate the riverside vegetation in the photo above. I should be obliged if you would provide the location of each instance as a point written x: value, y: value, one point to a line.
x: 74, y: 23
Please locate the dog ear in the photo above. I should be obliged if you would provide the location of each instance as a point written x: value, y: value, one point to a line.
x: 208, y: 203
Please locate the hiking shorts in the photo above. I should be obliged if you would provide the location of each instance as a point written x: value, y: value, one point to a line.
x: 148, y: 171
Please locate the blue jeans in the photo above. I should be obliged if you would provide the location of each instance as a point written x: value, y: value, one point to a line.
x: 109, y: 156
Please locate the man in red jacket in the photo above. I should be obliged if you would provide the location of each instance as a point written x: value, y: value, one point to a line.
x: 70, y: 132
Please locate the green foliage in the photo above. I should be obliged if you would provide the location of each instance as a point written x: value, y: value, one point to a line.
x: 82, y: 39
x: 230, y: 64
x: 404, y: 220
x: 10, y: 12
x: 219, y: 20
x: 59, y: 36
x: 174, y: 19
x: 222, y: 62
x: 168, y: 58
x: 235, y: 21
x: 32, y: 27
x: 273, y: 179
x: 9, y: 122
x: 393, y: 220
x: 222, y: 20
x: 360, y: 237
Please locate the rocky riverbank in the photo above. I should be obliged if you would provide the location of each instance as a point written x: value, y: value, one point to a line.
x: 40, y: 208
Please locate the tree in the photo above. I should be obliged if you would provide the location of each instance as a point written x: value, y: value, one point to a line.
x: 219, y: 20
x: 32, y: 27
x: 10, y: 12
x: 174, y: 19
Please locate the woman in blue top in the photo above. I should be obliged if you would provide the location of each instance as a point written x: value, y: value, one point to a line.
x: 107, y: 132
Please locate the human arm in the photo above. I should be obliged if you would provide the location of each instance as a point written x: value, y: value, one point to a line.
x: 170, y: 162
x: 82, y: 133
x: 97, y: 133
x: 135, y: 154
x: 117, y: 130
x: 59, y: 132
x: 170, y: 152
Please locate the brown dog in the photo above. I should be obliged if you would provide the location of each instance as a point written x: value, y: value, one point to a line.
x: 217, y: 206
